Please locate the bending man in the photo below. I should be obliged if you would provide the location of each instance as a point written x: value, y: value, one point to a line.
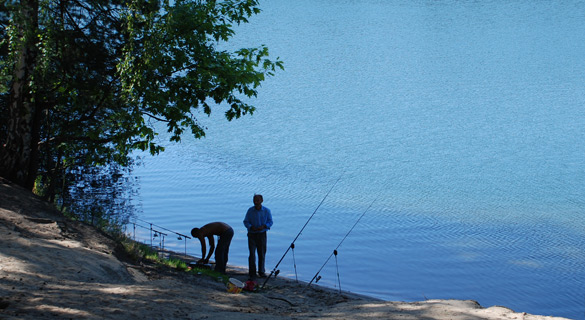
x: 225, y: 233
x: 258, y: 220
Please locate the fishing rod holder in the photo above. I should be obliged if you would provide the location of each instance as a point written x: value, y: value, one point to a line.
x: 156, y: 233
x: 161, y: 243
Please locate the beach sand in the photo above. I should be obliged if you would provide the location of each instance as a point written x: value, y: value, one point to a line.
x: 51, y: 267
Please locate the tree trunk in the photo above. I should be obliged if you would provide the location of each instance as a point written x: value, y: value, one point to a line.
x: 19, y: 150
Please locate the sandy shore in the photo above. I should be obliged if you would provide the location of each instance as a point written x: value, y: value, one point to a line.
x: 51, y: 267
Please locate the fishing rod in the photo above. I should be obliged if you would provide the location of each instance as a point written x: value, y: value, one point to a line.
x: 339, y: 245
x: 292, y: 245
x: 152, y: 224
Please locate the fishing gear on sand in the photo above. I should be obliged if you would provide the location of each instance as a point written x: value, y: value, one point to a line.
x: 292, y: 245
x: 317, y: 276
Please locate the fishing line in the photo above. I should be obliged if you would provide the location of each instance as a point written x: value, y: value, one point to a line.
x: 339, y: 245
x: 303, y: 228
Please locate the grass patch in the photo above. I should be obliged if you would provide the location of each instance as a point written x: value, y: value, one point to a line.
x: 177, y: 264
x: 139, y: 252
x: 210, y: 273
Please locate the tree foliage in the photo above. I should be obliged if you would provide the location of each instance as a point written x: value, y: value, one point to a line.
x: 81, y: 81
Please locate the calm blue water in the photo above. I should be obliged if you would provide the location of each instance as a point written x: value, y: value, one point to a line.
x: 464, y: 119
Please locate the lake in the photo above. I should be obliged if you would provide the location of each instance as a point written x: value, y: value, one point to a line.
x: 462, y: 121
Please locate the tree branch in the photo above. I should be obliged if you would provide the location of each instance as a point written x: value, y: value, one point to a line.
x: 155, y: 117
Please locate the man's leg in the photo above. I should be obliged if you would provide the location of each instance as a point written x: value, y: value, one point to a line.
x: 226, y: 240
x: 220, y: 253
x: 261, y: 253
x: 219, y: 262
x: 252, y: 256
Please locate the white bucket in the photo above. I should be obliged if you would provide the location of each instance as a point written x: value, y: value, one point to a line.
x: 234, y: 286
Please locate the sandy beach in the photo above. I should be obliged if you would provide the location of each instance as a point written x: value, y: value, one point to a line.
x: 51, y: 267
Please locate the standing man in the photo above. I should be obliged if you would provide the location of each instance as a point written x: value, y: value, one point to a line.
x: 225, y: 233
x: 258, y: 220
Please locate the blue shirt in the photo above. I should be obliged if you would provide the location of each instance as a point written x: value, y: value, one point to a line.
x: 258, y: 218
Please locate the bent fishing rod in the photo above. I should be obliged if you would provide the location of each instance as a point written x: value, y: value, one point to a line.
x: 292, y: 245
x: 339, y: 245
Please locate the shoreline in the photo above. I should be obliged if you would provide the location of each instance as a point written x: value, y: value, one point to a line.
x: 53, y: 267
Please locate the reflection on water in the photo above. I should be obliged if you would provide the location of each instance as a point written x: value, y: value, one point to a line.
x: 464, y: 119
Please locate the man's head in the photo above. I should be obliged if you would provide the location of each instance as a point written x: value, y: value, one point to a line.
x: 258, y: 201
x: 195, y: 232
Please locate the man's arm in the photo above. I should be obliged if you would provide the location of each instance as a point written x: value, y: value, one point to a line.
x: 247, y: 222
x: 203, y: 251
x: 268, y: 219
x: 211, y: 247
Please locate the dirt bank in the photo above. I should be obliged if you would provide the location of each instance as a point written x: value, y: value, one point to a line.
x: 51, y: 267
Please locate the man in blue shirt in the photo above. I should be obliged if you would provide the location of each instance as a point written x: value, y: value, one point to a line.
x: 258, y: 220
